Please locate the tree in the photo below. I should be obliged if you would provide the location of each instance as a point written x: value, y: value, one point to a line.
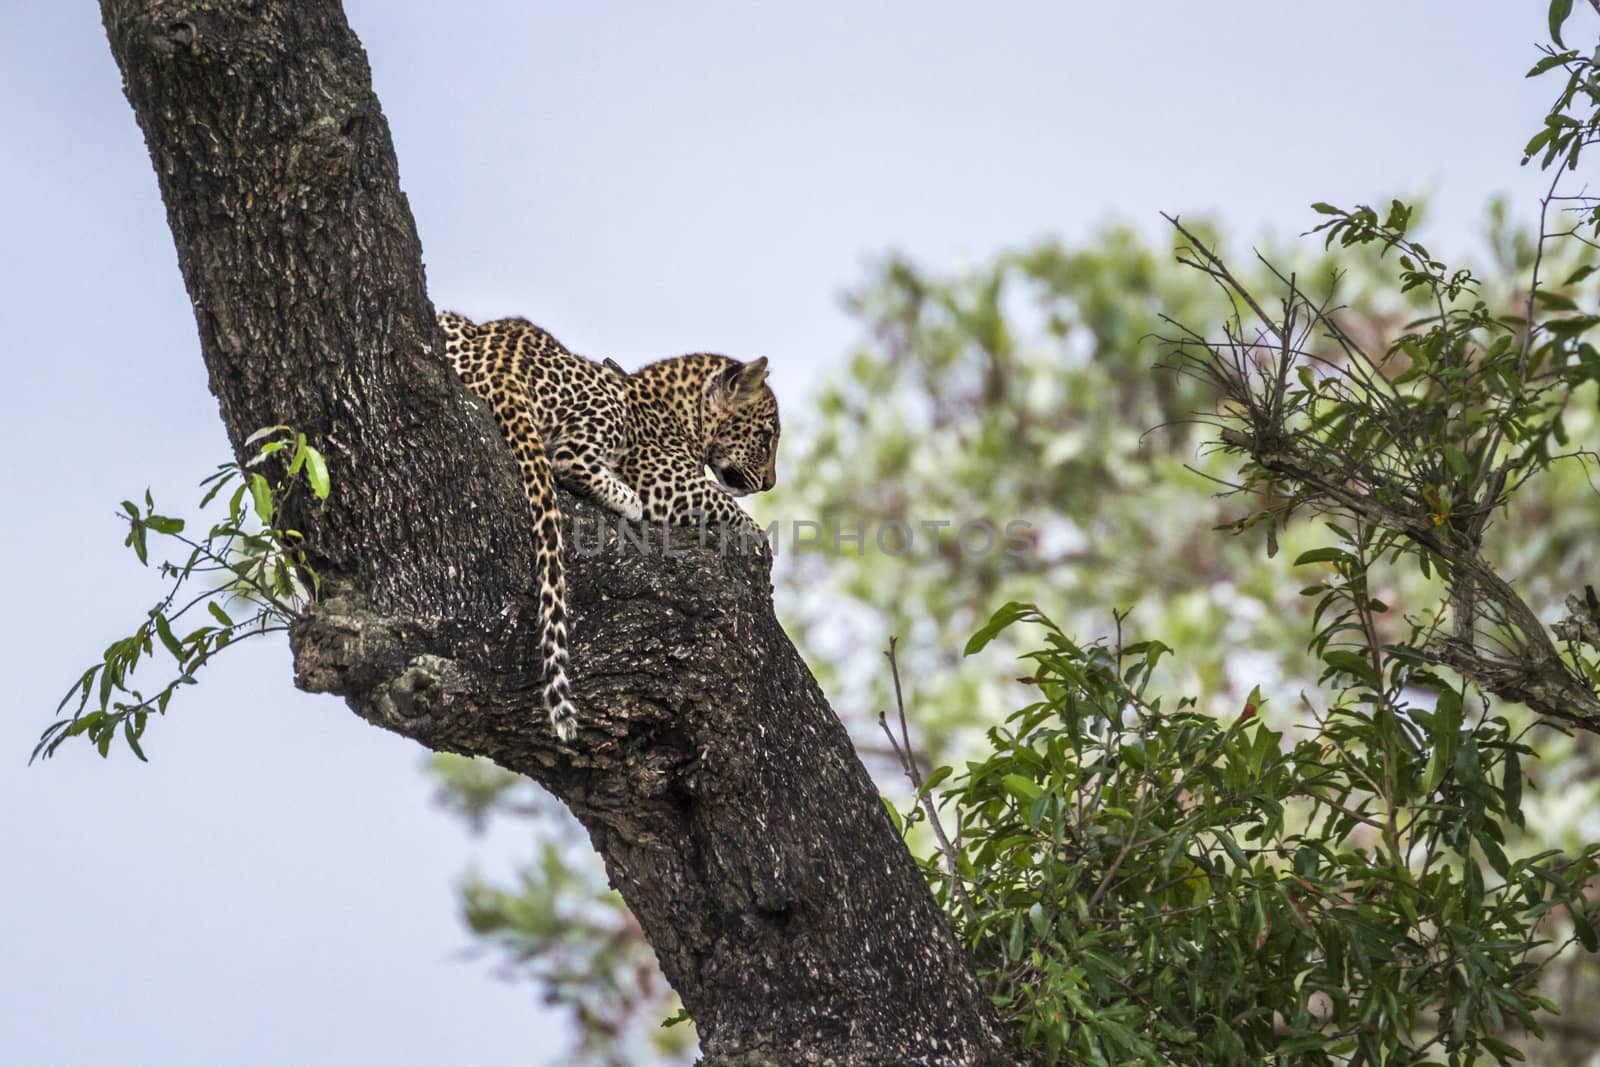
x: 1368, y: 862
x: 1363, y: 895
x: 710, y: 773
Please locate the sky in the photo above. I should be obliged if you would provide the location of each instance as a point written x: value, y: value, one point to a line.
x: 642, y: 179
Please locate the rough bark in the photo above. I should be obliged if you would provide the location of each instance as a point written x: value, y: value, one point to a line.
x: 713, y: 778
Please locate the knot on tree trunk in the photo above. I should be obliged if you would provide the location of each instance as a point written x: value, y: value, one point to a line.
x: 343, y: 646
x: 1582, y: 624
x: 658, y: 615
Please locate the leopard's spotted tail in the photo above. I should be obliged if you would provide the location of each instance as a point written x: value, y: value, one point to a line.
x: 538, y: 481
x: 553, y: 615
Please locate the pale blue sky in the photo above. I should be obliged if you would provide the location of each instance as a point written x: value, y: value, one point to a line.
x: 643, y: 179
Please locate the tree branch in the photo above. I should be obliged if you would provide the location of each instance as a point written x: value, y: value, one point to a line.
x: 1383, y: 484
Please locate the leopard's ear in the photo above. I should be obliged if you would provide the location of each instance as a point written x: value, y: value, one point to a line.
x: 742, y: 381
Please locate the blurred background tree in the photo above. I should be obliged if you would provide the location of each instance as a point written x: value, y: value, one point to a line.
x: 1027, y: 387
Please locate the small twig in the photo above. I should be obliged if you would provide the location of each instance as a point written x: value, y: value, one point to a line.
x: 902, y: 749
x: 1528, y: 331
x: 1128, y: 846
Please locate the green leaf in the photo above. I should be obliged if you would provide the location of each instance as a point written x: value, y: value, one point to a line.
x: 219, y: 480
x: 1501, y: 1049
x: 129, y: 735
x: 1000, y: 620
x: 1570, y: 326
x: 236, y: 504
x: 1511, y: 787
x: 894, y: 816
x: 163, y: 525
x: 938, y: 775
x: 1351, y: 663
x: 265, y: 431
x: 168, y: 639
x: 1433, y: 772
x: 1447, y: 718
x: 1014, y: 946
x: 1399, y: 217
x: 261, y: 497
x: 1494, y: 854
x: 1024, y: 789
x: 1231, y: 847
x: 1583, y: 928
x: 136, y: 538
x: 1554, y: 301
x: 1322, y: 555
x: 217, y: 613
x: 1550, y: 63
x: 317, y: 473
x: 266, y: 450
x: 1559, y: 10
x: 1580, y: 274
x: 1303, y: 1043
x: 109, y: 677
x: 82, y: 725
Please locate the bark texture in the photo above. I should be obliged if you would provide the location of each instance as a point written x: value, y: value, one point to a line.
x: 731, y: 811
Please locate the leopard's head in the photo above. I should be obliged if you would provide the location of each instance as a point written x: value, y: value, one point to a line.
x: 742, y: 414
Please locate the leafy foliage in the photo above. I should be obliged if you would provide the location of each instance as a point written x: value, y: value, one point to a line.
x: 1573, y: 121
x: 1021, y: 387
x: 1147, y: 883
x: 249, y: 562
x: 1052, y: 417
x: 908, y: 431
x: 1421, y: 445
x: 1035, y: 408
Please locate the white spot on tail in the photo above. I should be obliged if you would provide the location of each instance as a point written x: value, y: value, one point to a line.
x: 564, y: 717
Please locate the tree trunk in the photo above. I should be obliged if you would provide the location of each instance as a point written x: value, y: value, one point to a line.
x: 731, y: 811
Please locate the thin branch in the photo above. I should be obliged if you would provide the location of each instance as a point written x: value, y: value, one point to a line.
x: 902, y: 749
x: 1382, y: 479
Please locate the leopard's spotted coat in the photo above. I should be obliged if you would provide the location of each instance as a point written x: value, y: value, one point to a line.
x: 639, y: 444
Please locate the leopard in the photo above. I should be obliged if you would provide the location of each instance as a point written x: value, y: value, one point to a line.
x: 639, y: 444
